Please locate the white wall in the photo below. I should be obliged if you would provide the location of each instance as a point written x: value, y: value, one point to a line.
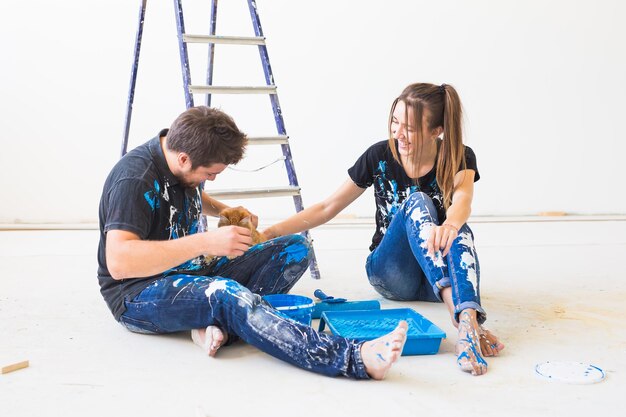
x: 542, y: 84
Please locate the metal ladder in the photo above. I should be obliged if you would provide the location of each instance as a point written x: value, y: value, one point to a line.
x: 293, y: 189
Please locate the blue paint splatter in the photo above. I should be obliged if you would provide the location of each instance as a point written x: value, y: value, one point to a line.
x: 390, y: 189
x: 221, y: 261
x: 465, y: 355
x: 152, y: 196
x: 294, y: 253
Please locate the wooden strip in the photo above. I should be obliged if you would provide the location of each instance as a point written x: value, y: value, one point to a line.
x: 552, y: 213
x: 15, y: 367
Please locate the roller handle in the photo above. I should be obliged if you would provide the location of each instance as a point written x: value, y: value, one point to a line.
x: 320, y: 294
x: 327, y: 298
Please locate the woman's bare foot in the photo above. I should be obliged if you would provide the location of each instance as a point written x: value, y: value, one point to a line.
x: 489, y: 343
x: 209, y: 339
x: 379, y: 354
x: 469, y: 355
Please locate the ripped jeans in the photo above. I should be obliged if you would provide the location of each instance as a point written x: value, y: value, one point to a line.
x: 401, y: 269
x: 229, y: 296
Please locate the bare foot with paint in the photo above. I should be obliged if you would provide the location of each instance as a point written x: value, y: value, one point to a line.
x: 379, y: 354
x: 489, y: 343
x: 209, y: 339
x: 469, y: 355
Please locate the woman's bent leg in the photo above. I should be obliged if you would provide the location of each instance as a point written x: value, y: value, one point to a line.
x: 459, y: 271
x: 393, y: 270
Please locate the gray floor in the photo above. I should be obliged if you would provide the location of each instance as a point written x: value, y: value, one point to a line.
x: 554, y: 291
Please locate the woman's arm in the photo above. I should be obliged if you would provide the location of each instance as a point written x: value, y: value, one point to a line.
x: 458, y: 213
x: 318, y: 213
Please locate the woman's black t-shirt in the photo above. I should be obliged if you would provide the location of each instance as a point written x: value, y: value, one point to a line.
x: 392, y: 185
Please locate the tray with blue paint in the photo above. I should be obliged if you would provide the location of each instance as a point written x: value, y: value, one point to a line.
x: 423, y: 337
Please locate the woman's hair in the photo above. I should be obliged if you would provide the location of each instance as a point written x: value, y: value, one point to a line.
x: 209, y: 136
x: 442, y: 107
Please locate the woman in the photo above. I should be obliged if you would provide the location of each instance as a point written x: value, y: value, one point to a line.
x: 422, y: 250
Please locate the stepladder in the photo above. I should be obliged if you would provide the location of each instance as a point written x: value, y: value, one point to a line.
x: 209, y: 90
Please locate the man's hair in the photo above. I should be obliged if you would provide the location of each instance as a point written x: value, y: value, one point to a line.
x: 209, y: 136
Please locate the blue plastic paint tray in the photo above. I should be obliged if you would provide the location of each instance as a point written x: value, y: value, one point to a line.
x: 423, y: 337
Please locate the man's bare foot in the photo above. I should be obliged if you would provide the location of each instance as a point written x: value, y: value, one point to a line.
x: 469, y: 355
x: 489, y: 343
x: 209, y: 339
x: 379, y: 354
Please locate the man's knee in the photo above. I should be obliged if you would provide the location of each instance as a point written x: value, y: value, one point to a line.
x: 221, y: 288
x: 298, y: 239
x: 297, y: 249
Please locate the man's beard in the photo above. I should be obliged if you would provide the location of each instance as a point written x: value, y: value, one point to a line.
x: 188, y: 184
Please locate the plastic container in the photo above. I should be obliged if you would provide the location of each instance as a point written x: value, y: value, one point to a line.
x: 423, y: 337
x: 296, y: 307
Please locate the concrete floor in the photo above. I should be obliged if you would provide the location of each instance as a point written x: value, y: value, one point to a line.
x: 553, y: 291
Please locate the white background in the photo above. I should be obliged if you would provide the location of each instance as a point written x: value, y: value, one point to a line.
x: 542, y: 83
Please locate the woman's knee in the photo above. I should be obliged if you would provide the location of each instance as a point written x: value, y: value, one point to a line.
x: 416, y: 198
x: 422, y: 203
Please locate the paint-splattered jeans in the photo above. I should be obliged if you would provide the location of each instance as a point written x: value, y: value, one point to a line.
x: 229, y: 296
x: 401, y: 269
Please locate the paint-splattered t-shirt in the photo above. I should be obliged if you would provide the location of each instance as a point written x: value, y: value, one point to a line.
x: 142, y: 196
x: 392, y: 185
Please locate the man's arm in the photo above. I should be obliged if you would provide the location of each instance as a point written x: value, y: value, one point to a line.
x: 210, y: 206
x: 130, y: 257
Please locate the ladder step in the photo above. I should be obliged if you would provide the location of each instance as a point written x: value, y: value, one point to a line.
x: 230, y: 40
x: 268, y: 140
x: 254, y: 192
x: 212, y: 89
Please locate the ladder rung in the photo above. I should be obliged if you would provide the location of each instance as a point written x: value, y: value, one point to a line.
x: 231, y: 40
x: 268, y: 140
x: 254, y: 192
x: 212, y: 89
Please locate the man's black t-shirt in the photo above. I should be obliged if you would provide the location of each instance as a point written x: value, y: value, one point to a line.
x: 142, y: 196
x: 392, y: 185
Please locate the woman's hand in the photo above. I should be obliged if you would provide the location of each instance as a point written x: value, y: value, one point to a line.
x: 441, y: 238
x: 269, y: 233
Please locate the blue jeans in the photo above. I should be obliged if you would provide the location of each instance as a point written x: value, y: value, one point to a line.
x: 229, y: 296
x: 401, y: 269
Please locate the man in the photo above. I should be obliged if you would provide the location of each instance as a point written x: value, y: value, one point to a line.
x: 159, y: 273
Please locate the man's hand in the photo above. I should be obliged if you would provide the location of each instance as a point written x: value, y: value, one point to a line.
x: 228, y: 241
